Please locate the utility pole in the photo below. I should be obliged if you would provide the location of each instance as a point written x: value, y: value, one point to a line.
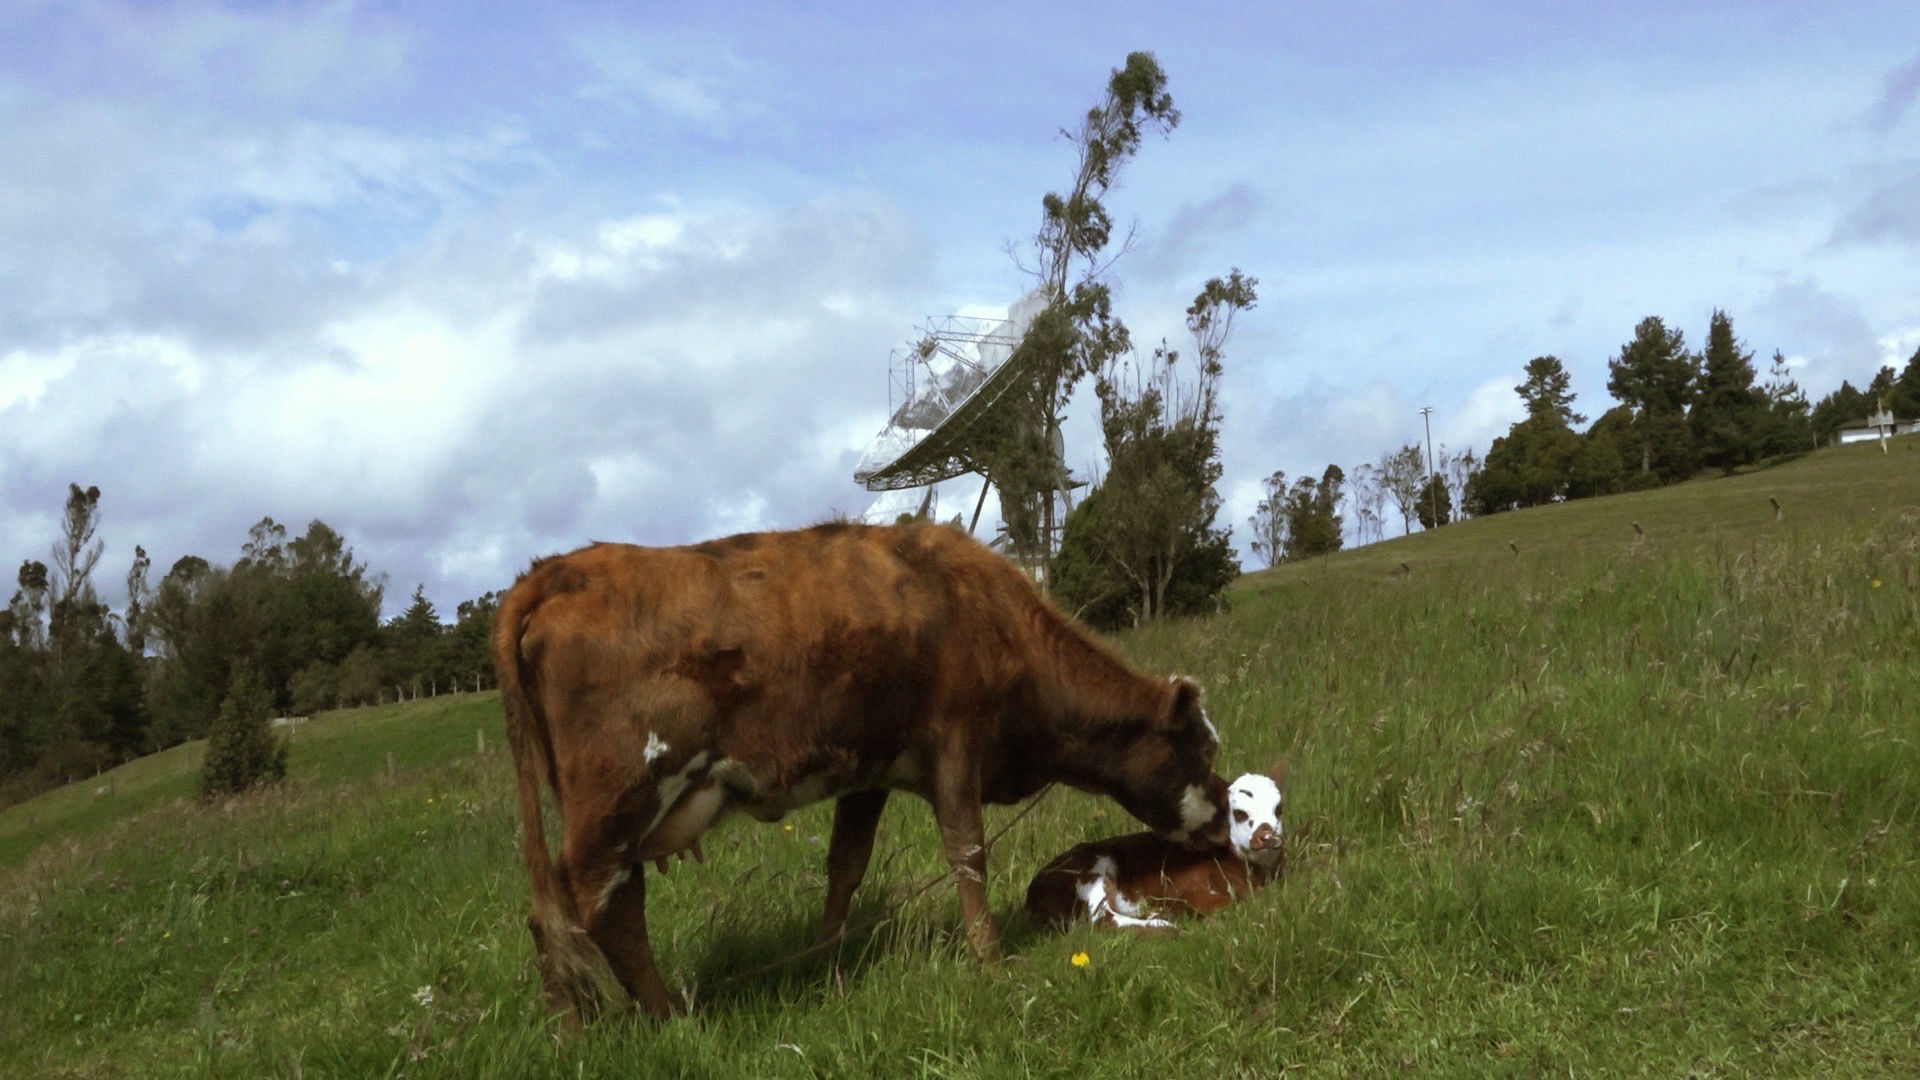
x: 1433, y: 497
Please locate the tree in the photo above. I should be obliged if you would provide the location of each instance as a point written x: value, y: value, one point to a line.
x: 1726, y: 416
x: 284, y: 606
x: 470, y: 643
x: 1655, y: 375
x: 315, y: 688
x: 242, y: 752
x: 1162, y: 438
x: 1547, y: 391
x: 358, y: 681
x: 1269, y: 520
x: 1402, y: 473
x: 1457, y: 469
x: 1436, y: 503
x: 1313, y: 515
x: 1842, y: 406
x: 196, y: 627
x: 138, y: 596
x: 1905, y: 399
x: 1599, y: 465
x: 1531, y: 465
x: 1787, y: 425
x: 1077, y: 333
x: 1369, y: 494
x: 74, y: 606
x: 1880, y: 390
x: 25, y: 700
x: 414, y: 645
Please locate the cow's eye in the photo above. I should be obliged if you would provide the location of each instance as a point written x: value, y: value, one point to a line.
x: 1240, y: 816
x: 1276, y: 810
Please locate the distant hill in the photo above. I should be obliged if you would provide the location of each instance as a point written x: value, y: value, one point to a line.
x: 1825, y: 489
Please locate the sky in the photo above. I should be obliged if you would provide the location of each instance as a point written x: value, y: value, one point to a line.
x: 476, y: 282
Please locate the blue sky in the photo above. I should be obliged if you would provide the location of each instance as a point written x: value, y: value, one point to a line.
x: 478, y: 282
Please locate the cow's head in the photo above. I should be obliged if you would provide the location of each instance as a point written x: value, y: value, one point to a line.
x: 1166, y: 778
x: 1256, y: 802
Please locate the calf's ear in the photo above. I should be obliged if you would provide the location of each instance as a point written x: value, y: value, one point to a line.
x: 1278, y: 775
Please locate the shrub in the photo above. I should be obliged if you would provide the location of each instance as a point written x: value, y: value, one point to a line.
x: 241, y: 750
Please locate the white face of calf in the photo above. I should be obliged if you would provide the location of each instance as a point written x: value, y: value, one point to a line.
x: 1255, y: 802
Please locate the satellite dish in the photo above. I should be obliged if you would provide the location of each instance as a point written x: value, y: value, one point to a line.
x: 958, y: 373
x: 945, y: 385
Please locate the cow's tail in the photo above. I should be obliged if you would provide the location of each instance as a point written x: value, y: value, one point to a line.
x: 574, y: 971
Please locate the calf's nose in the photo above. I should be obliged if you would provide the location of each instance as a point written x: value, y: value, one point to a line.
x: 1265, y: 837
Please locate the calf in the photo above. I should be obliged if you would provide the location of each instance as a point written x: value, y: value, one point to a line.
x: 653, y: 690
x: 1136, y: 881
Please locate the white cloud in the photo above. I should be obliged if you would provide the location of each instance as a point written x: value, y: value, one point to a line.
x: 687, y: 82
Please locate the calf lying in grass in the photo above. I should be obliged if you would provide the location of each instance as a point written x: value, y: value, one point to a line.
x: 1138, y: 880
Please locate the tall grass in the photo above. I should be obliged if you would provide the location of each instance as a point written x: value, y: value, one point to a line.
x: 1622, y: 809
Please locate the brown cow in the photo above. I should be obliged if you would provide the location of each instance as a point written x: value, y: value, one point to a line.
x: 651, y: 689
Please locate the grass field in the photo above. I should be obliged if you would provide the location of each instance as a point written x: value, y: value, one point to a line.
x: 1612, y: 805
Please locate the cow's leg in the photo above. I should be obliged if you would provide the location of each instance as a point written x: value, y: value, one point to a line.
x: 619, y: 927
x: 963, y: 836
x: 856, y: 818
x: 606, y: 875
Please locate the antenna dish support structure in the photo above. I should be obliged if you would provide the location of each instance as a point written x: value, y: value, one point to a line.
x: 939, y: 390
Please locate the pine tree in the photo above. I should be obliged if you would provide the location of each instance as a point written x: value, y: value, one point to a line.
x: 1905, y: 400
x: 242, y: 752
x: 1788, y: 425
x: 1726, y: 416
x: 1548, y: 391
x: 1656, y: 375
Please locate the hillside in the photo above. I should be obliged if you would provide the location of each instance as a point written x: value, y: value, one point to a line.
x: 1822, y: 491
x: 1612, y: 805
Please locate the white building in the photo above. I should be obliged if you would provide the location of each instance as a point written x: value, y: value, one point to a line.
x: 1882, y: 424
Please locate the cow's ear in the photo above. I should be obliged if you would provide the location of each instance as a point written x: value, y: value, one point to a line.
x: 1186, y: 698
x: 1279, y: 774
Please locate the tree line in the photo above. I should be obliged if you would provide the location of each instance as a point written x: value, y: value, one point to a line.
x: 291, y: 627
x: 1679, y: 414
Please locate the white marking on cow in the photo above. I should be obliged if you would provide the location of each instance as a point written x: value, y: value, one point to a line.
x: 655, y: 746
x: 1105, y: 903
x: 771, y: 804
x: 1092, y: 889
x: 680, y: 831
x: 905, y: 769
x: 618, y: 879
x: 671, y: 788
x: 1195, y: 810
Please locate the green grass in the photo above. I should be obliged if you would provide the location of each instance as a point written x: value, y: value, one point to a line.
x: 1608, y: 807
x: 331, y: 747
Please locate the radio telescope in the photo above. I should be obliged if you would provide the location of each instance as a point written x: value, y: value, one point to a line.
x: 940, y: 390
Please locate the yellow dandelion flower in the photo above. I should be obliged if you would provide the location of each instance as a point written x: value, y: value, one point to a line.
x: 166, y: 933
x: 788, y: 826
x: 1081, y: 959
x: 1876, y: 583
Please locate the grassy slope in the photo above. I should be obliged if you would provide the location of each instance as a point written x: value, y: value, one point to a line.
x: 1606, y: 806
